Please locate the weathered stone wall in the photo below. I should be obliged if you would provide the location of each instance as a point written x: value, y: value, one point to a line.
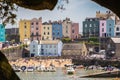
x: 13, y: 53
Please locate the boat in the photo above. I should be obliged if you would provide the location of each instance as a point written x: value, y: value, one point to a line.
x: 70, y: 70
x: 23, y: 68
x: 52, y: 69
x: 16, y: 69
x: 41, y: 68
x: 30, y: 69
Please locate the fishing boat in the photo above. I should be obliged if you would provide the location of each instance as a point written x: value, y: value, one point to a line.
x: 70, y: 70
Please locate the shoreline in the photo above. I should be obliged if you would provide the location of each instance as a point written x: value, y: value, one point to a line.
x: 38, y: 62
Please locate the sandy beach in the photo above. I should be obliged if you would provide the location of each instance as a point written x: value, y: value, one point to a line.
x: 38, y: 62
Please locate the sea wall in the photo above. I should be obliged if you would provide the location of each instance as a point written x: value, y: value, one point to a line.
x: 13, y: 53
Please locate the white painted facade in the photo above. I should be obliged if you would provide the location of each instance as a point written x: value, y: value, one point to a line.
x: 46, y: 48
x: 117, y: 30
x: 34, y: 48
x: 51, y: 48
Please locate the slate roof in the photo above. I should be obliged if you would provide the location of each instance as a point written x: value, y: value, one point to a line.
x: 116, y: 40
x: 72, y: 46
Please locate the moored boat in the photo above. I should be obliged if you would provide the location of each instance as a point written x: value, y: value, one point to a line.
x: 70, y: 70
x: 30, y: 69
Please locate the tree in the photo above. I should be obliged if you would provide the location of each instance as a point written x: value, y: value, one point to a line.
x: 7, y: 9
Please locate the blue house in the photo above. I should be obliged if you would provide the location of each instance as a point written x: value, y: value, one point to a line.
x: 56, y: 30
x: 2, y: 33
x: 110, y: 27
x: 91, y: 27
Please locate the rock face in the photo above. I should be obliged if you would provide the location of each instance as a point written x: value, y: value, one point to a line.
x: 50, y: 4
x: 113, y: 5
x: 36, y: 4
x: 6, y: 71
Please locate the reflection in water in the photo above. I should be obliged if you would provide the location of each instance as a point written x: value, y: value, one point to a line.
x: 60, y: 74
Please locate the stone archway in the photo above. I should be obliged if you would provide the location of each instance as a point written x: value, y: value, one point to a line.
x: 6, y: 72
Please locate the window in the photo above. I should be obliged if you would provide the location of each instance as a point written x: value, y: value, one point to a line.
x: 48, y: 33
x: 32, y: 23
x: 66, y: 31
x: 32, y: 34
x: 33, y: 46
x: 109, y: 24
x: 33, y: 50
x: 44, y: 33
x: 24, y: 26
x: 102, y: 24
x: 117, y: 29
x: 36, y: 23
x: 90, y: 25
x: 44, y: 27
x: 25, y: 35
x: 53, y: 33
x: 110, y: 29
x: 102, y: 29
x: 72, y: 31
x: 48, y: 28
x: 58, y: 33
x: 36, y: 28
x: 85, y: 25
x: 37, y: 34
x: 25, y: 23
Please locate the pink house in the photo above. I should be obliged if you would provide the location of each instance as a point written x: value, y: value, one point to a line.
x: 36, y: 25
x: 102, y: 28
x: 75, y: 31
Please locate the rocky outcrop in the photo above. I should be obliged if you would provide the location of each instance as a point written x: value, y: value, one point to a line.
x: 6, y: 71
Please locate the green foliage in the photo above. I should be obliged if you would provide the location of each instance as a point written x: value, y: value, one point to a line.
x: 93, y: 39
x: 13, y: 37
x: 7, y: 9
x: 66, y: 40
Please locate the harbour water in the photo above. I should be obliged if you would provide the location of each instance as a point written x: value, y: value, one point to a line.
x: 60, y: 74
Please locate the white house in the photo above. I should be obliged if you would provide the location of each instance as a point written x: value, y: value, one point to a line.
x: 51, y: 47
x: 34, y: 51
x: 46, y: 48
x: 117, y: 29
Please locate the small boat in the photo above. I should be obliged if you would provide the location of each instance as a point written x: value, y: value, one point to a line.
x: 40, y: 68
x: 52, y: 69
x: 70, y: 70
x: 16, y: 69
x: 30, y: 69
x: 23, y: 68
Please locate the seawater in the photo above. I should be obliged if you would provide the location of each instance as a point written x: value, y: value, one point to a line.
x: 60, y: 74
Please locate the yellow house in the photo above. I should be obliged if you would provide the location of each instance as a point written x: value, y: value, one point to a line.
x: 24, y: 30
x: 46, y: 31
